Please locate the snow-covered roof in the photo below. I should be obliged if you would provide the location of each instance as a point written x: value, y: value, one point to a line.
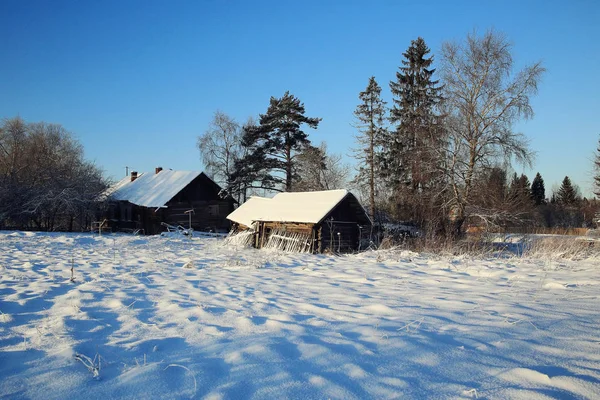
x: 151, y: 190
x: 305, y: 207
x: 247, y: 212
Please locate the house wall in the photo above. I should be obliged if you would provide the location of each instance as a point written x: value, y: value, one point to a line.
x: 339, y: 237
x: 324, y: 237
x: 348, y: 219
x: 201, y: 195
x: 210, y: 210
x: 121, y: 216
x: 208, y: 215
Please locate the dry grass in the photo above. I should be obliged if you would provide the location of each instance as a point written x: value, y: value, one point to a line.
x: 481, y: 245
x: 544, y: 231
x: 473, y: 246
x: 562, y: 248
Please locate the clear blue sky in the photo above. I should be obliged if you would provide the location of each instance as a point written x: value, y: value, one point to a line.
x: 138, y: 81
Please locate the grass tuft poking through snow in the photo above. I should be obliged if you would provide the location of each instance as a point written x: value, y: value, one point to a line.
x: 93, y: 365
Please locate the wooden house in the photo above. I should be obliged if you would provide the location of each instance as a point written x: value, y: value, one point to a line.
x: 141, y: 202
x: 324, y: 221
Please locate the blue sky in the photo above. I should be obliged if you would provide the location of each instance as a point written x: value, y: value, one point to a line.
x: 138, y: 81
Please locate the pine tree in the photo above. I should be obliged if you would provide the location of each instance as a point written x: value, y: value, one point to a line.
x: 597, y: 168
x: 273, y: 144
x: 370, y: 114
x: 525, y: 188
x: 567, y: 195
x: 519, y: 191
x: 408, y: 157
x: 538, y: 191
x: 495, y: 185
x: 493, y: 190
x: 250, y: 170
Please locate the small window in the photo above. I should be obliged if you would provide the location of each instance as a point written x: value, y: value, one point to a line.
x: 213, y: 210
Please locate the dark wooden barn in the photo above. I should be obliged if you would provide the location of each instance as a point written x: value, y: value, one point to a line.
x: 141, y: 202
x: 326, y: 221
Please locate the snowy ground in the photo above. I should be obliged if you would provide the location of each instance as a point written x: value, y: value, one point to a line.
x: 178, y: 318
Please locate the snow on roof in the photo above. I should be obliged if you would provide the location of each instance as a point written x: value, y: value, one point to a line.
x: 247, y: 212
x: 152, y: 190
x: 306, y: 207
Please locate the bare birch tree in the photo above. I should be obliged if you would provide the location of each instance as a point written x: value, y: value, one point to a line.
x: 220, y: 147
x: 484, y: 99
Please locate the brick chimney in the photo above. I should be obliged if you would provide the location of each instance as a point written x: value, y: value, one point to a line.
x: 157, y: 170
x: 133, y: 175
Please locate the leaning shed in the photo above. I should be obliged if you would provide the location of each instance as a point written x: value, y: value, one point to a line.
x: 141, y: 202
x: 324, y: 221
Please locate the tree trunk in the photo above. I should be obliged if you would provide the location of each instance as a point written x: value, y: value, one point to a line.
x: 372, y: 171
x: 457, y: 228
x: 288, y: 167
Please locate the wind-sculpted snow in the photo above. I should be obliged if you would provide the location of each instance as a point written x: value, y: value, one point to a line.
x: 153, y: 317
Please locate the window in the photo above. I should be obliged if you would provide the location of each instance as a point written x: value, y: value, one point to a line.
x: 213, y: 210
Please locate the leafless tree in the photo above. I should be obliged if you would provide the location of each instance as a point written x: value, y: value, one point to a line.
x: 220, y: 146
x: 44, y: 179
x: 498, y: 204
x: 484, y: 99
x: 319, y: 170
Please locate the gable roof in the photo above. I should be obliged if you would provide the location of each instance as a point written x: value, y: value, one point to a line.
x: 151, y: 190
x: 305, y: 207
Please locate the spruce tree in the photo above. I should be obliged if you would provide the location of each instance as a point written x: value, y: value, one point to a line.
x: 370, y: 114
x: 525, y: 187
x: 493, y: 190
x: 495, y: 185
x: 519, y: 191
x: 273, y: 144
x: 567, y: 195
x: 538, y: 191
x: 409, y: 150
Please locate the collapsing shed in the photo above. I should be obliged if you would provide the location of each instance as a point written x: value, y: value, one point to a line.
x: 331, y: 220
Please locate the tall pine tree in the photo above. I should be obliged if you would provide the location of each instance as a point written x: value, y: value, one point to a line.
x: 370, y: 114
x: 273, y: 144
x: 538, y: 190
x: 567, y: 195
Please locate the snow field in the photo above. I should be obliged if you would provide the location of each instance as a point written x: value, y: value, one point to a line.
x: 160, y: 317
